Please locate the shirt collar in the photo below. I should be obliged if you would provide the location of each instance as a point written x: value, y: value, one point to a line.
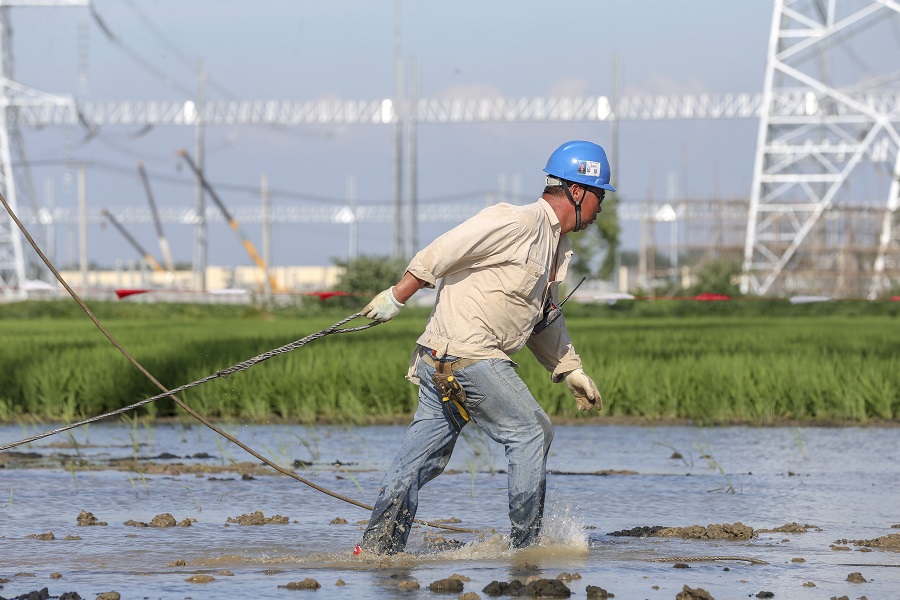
x: 554, y: 220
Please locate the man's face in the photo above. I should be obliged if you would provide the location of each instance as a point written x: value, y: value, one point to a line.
x: 591, y: 204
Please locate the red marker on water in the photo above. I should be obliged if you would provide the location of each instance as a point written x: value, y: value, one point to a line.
x: 357, y: 550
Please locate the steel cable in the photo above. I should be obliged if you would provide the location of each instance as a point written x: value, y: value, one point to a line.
x: 222, y: 373
x: 241, y: 366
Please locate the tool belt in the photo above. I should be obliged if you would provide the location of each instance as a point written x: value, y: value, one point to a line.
x: 447, y: 384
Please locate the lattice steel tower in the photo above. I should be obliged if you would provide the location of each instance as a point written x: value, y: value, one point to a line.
x: 15, y: 96
x: 823, y: 206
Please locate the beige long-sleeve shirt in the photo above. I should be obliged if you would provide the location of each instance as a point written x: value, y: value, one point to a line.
x: 495, y: 271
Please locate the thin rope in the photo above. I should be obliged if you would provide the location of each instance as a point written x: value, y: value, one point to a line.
x: 234, y: 369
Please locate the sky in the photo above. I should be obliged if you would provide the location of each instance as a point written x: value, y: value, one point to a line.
x: 344, y: 49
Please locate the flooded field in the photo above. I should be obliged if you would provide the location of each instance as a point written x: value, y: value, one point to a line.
x: 819, y: 507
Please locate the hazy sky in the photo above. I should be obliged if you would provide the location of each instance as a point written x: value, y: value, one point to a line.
x: 344, y: 49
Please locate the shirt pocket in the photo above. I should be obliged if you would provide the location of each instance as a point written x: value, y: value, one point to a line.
x: 524, y: 278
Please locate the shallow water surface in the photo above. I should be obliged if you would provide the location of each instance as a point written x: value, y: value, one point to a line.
x: 604, y: 478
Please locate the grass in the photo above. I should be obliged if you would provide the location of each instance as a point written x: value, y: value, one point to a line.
x: 762, y: 365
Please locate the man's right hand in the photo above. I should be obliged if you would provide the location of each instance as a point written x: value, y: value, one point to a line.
x: 584, y: 389
x: 383, y: 307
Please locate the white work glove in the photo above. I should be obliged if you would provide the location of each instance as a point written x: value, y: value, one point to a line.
x: 584, y: 389
x: 383, y: 307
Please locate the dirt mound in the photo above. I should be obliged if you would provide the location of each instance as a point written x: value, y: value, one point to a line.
x: 307, y: 584
x: 689, y: 593
x: 642, y: 531
x: 86, y: 519
x: 791, y: 528
x: 163, y: 520
x: 725, y: 531
x: 258, y: 518
x: 885, y: 542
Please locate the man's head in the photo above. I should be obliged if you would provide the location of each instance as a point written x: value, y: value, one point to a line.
x: 579, y: 170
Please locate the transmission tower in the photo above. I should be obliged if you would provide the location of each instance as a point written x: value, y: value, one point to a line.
x: 15, y: 96
x: 827, y: 171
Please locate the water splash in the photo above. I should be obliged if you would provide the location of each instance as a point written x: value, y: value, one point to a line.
x: 563, y: 527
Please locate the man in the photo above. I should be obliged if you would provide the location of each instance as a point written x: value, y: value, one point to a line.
x: 499, y: 273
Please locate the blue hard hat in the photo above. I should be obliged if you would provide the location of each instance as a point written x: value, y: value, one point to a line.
x: 581, y: 162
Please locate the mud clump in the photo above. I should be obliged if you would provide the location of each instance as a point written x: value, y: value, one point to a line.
x: 726, y: 531
x: 446, y: 585
x: 42, y: 536
x: 547, y: 588
x: 791, y: 528
x: 885, y: 542
x: 163, y: 520
x: 639, y: 532
x: 500, y: 588
x: 688, y: 593
x: 258, y: 518
x: 87, y: 519
x: 307, y: 584
x: 200, y: 579
x: 43, y: 594
x: 597, y: 593
x: 856, y: 577
x: 539, y: 588
x: 837, y: 548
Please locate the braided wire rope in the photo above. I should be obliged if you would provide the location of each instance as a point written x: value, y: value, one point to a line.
x: 241, y: 366
x: 334, y: 329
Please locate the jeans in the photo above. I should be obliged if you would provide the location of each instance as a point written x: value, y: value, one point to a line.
x: 500, y: 404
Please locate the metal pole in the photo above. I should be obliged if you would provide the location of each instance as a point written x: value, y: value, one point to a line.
x: 397, y: 246
x: 412, y: 159
x: 266, y: 232
x: 354, y: 226
x: 50, y: 204
x: 82, y: 225
x: 200, y: 249
x: 614, y: 124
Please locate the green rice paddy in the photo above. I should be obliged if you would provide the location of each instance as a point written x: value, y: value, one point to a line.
x: 709, y: 364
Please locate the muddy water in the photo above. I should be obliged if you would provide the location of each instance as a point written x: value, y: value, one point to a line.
x: 844, y: 483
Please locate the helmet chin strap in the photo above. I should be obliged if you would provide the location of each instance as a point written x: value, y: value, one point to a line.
x: 577, y: 206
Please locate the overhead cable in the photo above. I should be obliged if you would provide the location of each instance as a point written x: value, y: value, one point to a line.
x: 116, y: 40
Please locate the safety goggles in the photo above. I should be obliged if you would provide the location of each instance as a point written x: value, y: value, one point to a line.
x: 599, y: 192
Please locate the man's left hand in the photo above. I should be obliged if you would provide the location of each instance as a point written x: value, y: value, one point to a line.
x: 383, y: 307
x: 584, y: 389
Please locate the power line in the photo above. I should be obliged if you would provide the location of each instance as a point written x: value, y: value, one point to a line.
x: 185, y: 60
x: 135, y: 56
x: 111, y: 167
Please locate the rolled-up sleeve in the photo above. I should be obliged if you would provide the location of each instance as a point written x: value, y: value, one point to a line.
x: 554, y: 350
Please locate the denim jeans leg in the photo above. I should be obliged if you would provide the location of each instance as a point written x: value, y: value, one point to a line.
x: 423, y: 455
x: 500, y: 404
